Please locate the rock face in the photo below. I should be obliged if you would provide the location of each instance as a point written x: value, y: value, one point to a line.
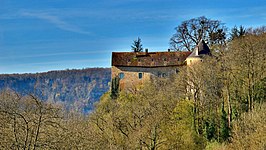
x: 75, y: 89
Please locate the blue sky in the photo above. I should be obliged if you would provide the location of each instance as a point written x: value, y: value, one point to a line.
x: 43, y: 35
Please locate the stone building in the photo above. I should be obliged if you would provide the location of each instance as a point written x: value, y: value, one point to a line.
x: 134, y: 68
x: 198, y: 53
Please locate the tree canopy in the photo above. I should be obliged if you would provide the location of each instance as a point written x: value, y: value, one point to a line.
x: 189, y: 33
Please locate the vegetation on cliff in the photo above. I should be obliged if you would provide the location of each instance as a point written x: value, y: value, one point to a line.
x: 76, y: 89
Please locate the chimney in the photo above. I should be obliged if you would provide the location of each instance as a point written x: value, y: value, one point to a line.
x: 146, y: 50
x: 168, y: 49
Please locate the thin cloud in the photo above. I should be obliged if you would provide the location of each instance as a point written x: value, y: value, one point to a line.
x: 46, y: 66
x: 59, y: 23
x: 63, y: 62
x: 53, y: 54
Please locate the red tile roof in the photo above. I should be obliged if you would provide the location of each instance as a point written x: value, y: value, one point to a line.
x: 149, y: 59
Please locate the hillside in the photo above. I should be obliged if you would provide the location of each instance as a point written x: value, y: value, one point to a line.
x: 77, y: 89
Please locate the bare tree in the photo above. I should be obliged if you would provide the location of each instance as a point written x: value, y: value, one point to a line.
x: 237, y: 32
x: 247, y: 65
x: 256, y: 31
x: 28, y: 123
x: 190, y: 32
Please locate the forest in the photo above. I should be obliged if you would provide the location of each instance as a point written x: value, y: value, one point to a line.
x: 75, y: 89
x: 216, y: 104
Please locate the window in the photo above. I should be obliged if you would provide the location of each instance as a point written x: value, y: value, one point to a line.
x: 164, y: 75
x: 176, y: 71
x: 159, y: 74
x: 164, y: 59
x: 121, y: 75
x: 140, y: 75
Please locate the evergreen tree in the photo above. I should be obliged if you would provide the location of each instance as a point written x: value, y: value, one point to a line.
x: 115, y: 88
x: 225, y: 130
x: 137, y: 46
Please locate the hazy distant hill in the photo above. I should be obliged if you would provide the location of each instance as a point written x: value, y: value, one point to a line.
x: 77, y: 89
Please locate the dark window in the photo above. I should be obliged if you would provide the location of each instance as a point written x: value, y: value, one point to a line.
x: 152, y: 59
x: 164, y: 59
x: 159, y: 74
x: 128, y: 60
x: 177, y: 59
x: 138, y: 60
x: 176, y: 71
x: 140, y: 75
x: 121, y: 75
x: 164, y: 75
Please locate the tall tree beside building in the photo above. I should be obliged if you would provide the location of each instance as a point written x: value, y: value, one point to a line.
x: 189, y: 33
x: 247, y: 67
x: 137, y: 45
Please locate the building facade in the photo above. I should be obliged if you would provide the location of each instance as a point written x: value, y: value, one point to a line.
x: 135, y: 68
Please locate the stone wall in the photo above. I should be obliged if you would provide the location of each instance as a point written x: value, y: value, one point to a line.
x: 130, y: 76
x: 193, y: 60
